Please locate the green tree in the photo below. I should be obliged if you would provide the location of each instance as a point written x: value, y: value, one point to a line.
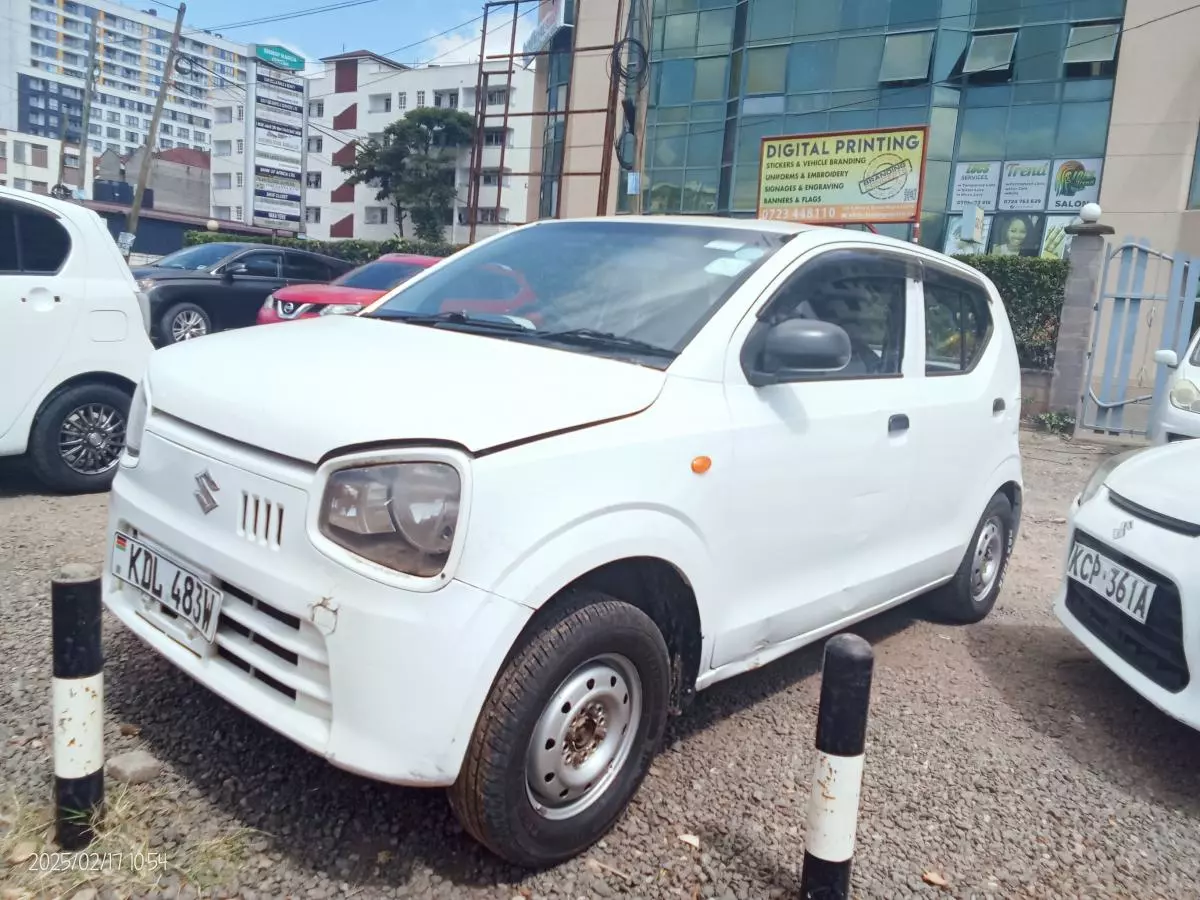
x: 413, y: 166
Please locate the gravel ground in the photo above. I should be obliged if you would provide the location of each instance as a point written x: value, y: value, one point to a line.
x: 1001, y: 760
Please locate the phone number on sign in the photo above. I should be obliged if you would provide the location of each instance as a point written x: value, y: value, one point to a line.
x: 96, y: 862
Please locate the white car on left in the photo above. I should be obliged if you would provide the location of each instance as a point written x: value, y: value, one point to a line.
x: 1131, y: 590
x: 73, y: 341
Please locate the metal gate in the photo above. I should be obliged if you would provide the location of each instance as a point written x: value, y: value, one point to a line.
x: 1147, y: 303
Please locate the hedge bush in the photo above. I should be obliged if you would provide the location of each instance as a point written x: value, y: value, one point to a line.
x: 1033, y: 289
x: 351, y: 250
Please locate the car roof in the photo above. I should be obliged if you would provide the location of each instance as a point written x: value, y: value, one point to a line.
x: 407, y: 257
x: 769, y: 225
x: 68, y: 209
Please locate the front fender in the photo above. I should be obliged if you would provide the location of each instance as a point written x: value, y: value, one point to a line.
x: 579, y: 547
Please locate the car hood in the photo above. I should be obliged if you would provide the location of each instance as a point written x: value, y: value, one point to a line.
x: 328, y: 383
x: 1164, y: 480
x: 327, y: 293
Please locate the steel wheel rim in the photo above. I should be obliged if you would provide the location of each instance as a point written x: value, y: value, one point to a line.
x: 584, y: 737
x: 188, y: 324
x: 91, y: 438
x: 985, y: 565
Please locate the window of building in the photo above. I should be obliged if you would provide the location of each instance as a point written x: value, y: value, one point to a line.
x: 183, y: 133
x: 239, y: 146
x: 375, y: 137
x: 992, y: 52
x: 164, y: 128
x: 489, y: 216
x: 1092, y: 43
x: 490, y: 177
x: 221, y: 212
x: 313, y: 179
x: 165, y: 143
x: 237, y: 213
x: 315, y: 144
x: 241, y: 179
x: 114, y: 117
x: 379, y: 103
x: 39, y: 155
x: 132, y: 136
x: 312, y: 214
x: 766, y: 70
x: 420, y: 99
x: 447, y: 99
x: 71, y: 160
x: 40, y: 187
x: 21, y: 184
x: 199, y: 136
x: 376, y: 215
x: 402, y: 100
x: 957, y: 324
x: 316, y: 108
x: 496, y: 96
x: 20, y: 152
x: 222, y: 148
x: 223, y: 114
x: 222, y: 181
x: 493, y: 137
x: 241, y: 113
x: 906, y: 56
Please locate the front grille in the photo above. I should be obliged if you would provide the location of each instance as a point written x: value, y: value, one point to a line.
x: 1154, y: 649
x: 261, y: 521
x: 276, y: 649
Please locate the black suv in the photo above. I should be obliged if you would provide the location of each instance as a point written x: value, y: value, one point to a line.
x: 202, y: 289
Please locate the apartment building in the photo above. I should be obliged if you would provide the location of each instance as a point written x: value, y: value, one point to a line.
x: 43, y: 57
x: 29, y: 162
x: 361, y: 93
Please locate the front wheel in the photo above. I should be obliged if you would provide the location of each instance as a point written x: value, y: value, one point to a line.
x: 77, y: 439
x: 183, y: 322
x: 567, y: 733
x: 972, y: 593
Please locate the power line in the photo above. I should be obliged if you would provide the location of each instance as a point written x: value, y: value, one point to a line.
x: 294, y: 14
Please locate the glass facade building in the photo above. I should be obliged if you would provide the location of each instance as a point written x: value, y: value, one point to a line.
x: 996, y: 81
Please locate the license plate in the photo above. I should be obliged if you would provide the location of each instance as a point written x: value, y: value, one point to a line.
x: 1112, y: 581
x: 182, y: 592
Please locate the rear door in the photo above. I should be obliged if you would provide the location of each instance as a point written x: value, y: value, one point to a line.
x: 41, y: 297
x: 247, y: 291
x: 968, y: 406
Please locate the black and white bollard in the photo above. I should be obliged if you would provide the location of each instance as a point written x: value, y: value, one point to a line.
x: 78, y: 704
x: 837, y: 778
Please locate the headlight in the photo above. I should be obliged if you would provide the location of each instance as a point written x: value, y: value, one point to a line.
x: 1186, y: 396
x: 139, y: 407
x: 341, y: 309
x: 1102, y: 472
x: 145, y: 284
x: 399, y: 515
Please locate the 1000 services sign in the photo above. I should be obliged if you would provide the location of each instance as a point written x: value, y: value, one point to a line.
x: 844, y: 178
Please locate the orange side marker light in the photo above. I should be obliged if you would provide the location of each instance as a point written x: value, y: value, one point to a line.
x: 701, y: 464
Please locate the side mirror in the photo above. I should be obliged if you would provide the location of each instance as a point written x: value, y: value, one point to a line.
x: 1168, y: 358
x: 237, y: 268
x: 801, y: 346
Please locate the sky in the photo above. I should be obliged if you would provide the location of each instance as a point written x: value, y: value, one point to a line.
x: 414, y: 27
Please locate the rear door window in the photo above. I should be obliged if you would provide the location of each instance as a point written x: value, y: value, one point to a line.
x: 301, y: 267
x: 958, y: 324
x: 262, y: 263
x: 31, y: 242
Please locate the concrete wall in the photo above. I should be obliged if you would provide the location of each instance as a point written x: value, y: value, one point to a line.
x: 177, y: 187
x: 1155, y: 121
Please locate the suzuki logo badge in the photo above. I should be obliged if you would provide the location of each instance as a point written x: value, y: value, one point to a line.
x: 1123, y: 530
x: 204, y: 496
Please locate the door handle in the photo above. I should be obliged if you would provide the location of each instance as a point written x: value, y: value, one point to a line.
x: 998, y: 405
x: 898, y: 423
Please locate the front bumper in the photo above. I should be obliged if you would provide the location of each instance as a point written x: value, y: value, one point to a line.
x: 1161, y: 658
x: 380, y: 681
x: 1173, y: 424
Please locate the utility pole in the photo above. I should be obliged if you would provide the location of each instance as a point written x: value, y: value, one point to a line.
x: 89, y: 84
x: 148, y: 152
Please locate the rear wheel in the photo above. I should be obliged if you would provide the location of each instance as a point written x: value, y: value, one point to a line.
x: 970, y: 596
x: 183, y: 322
x: 78, y: 438
x: 567, y: 734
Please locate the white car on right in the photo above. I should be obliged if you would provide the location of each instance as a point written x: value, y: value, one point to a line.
x: 1131, y: 591
x: 1177, y: 417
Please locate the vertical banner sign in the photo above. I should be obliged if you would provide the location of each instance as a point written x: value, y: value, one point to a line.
x: 1024, y: 184
x: 278, y: 148
x: 975, y: 183
x: 1076, y: 183
x: 864, y: 177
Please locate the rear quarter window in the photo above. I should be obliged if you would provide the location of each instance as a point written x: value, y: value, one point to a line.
x: 31, y: 242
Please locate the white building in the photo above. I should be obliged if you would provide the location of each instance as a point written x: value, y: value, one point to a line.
x: 361, y: 93
x: 29, y: 162
x: 43, y: 58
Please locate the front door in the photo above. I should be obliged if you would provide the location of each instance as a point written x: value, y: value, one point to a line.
x: 39, y: 303
x: 824, y: 462
x: 246, y: 292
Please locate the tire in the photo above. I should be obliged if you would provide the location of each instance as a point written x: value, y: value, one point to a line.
x: 64, y: 455
x: 972, y: 593
x: 183, y: 322
x: 595, y: 651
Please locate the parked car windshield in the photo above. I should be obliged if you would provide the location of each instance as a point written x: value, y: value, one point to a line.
x: 381, y: 275
x: 635, y: 289
x: 199, y: 258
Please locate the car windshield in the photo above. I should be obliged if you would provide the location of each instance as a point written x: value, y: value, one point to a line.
x: 638, y: 290
x: 381, y: 275
x: 197, y: 258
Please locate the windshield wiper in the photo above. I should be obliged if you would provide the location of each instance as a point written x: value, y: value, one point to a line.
x: 590, y: 337
x: 498, y: 323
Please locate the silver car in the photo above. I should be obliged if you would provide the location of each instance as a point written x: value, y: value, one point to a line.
x: 1177, y: 416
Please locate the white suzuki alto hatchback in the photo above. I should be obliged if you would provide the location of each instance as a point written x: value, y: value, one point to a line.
x: 586, y: 468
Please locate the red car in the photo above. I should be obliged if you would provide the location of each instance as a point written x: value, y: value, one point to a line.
x: 353, y: 291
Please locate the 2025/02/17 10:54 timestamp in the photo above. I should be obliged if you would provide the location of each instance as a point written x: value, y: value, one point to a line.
x: 83, y: 861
